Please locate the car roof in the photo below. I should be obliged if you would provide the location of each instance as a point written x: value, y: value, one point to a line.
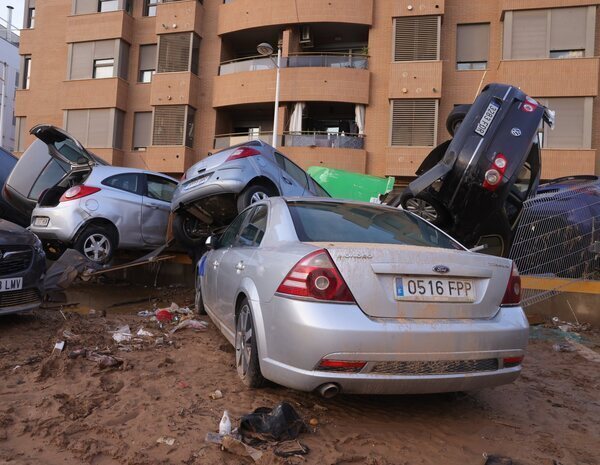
x: 105, y: 170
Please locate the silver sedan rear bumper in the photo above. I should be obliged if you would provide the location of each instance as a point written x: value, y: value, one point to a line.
x: 301, y: 333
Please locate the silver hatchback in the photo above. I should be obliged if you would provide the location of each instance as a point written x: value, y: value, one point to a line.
x: 96, y: 209
x: 341, y: 296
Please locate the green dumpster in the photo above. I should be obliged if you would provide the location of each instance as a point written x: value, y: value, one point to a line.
x: 352, y: 186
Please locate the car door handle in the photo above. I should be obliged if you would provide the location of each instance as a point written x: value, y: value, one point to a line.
x: 154, y: 206
x: 240, y: 266
x: 287, y: 181
x: 215, y: 264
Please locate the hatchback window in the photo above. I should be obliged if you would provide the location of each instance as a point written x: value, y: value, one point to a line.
x: 343, y: 222
x: 160, y: 188
x: 128, y: 182
x: 292, y: 169
x: 231, y: 233
x: 254, y: 230
x: 53, y: 172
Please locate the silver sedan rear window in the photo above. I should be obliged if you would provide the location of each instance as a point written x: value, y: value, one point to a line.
x: 348, y: 222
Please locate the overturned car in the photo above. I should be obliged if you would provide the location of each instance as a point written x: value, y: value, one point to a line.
x: 474, y: 185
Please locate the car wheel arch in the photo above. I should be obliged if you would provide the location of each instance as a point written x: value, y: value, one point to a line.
x: 249, y: 292
x: 98, y: 222
x: 263, y: 181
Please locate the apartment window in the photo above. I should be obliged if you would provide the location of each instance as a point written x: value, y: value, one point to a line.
x: 573, y: 129
x: 30, y: 20
x: 550, y: 33
x: 417, y: 38
x: 472, y: 45
x: 178, y: 52
x: 147, y: 62
x: 414, y: 122
x: 104, y: 68
x: 173, y: 125
x: 108, y: 5
x: 26, y: 73
x: 81, y: 7
x: 142, y: 130
x: 100, y: 59
x: 150, y: 7
x: 20, y: 133
x: 97, y: 128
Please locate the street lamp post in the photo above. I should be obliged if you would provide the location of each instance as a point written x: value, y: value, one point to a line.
x: 266, y: 49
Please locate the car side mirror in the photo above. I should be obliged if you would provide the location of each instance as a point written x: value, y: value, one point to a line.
x: 212, y: 242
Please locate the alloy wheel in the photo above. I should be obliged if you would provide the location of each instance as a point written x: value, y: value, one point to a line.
x: 422, y: 208
x: 97, y: 247
x: 243, y: 341
x: 257, y: 197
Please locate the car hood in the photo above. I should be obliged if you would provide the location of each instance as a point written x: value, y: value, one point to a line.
x: 13, y: 234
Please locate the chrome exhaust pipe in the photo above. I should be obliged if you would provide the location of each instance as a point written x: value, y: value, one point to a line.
x: 328, y: 390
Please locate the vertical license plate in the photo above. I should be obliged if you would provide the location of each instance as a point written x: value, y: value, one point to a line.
x: 487, y: 118
x: 434, y: 289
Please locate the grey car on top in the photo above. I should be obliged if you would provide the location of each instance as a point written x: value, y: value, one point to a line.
x: 353, y: 297
x: 213, y: 191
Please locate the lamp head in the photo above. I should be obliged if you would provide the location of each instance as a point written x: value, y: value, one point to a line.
x: 265, y: 49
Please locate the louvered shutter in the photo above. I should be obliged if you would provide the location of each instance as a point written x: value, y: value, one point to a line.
x: 169, y: 122
x: 142, y: 126
x: 472, y: 42
x: 174, y: 52
x: 100, y: 128
x: 416, y: 38
x: 568, y: 131
x: 529, y: 31
x: 81, y: 60
x: 77, y: 124
x: 568, y: 28
x: 148, y: 57
x: 414, y: 122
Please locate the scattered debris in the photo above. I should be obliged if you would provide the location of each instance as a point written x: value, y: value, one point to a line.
x: 564, y: 347
x: 194, y: 324
x: 225, y: 424
x: 313, y: 422
x: 70, y: 335
x: 281, y: 423
x: 123, y: 334
x: 58, y: 347
x: 216, y: 395
x: 586, y: 352
x: 291, y: 448
x: 497, y: 460
x: 144, y: 333
x: 164, y: 315
x: 235, y: 446
x: 166, y: 440
x: 147, y: 313
x: 568, y: 327
x: 96, y: 313
x: 103, y: 361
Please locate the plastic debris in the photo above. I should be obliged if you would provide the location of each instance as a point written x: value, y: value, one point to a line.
x: 146, y: 313
x: 281, y: 423
x: 71, y: 336
x: 58, y: 347
x: 194, y: 324
x: 225, y: 424
x: 123, y: 334
x: 166, y: 440
x: 235, y: 446
x: 144, y: 333
x: 291, y: 448
x: 103, y: 361
x: 216, y: 395
x: 563, y: 347
x: 164, y: 315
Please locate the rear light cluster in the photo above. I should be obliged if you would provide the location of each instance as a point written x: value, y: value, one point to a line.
x: 340, y: 366
x: 316, y: 277
x: 493, y: 176
x: 77, y: 192
x: 512, y: 296
x: 243, y: 152
x: 510, y: 362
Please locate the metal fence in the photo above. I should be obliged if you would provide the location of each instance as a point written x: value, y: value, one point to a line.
x: 558, y: 236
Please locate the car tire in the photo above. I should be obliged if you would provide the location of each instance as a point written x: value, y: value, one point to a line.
x: 199, y: 301
x: 97, y: 243
x: 187, y: 233
x: 424, y: 206
x: 253, y: 194
x: 456, y: 117
x: 246, y: 348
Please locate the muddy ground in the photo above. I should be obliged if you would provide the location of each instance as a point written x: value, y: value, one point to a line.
x: 58, y: 410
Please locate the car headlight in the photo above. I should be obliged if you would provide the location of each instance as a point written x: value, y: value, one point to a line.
x: 37, y: 245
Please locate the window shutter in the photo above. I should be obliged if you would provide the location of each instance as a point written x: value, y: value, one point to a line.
x: 169, y: 121
x: 174, y: 52
x: 86, y: 6
x: 416, y: 38
x: 148, y: 57
x: 77, y: 125
x: 529, y: 34
x: 568, y: 28
x: 142, y: 125
x: 81, y: 60
x: 414, y: 122
x: 100, y: 128
x: 472, y: 42
x: 104, y: 49
x: 568, y: 131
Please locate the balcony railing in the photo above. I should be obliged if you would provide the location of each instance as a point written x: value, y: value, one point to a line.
x: 300, y: 60
x: 295, y: 139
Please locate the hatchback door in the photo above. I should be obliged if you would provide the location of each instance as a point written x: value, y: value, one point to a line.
x: 63, y: 146
x: 156, y: 207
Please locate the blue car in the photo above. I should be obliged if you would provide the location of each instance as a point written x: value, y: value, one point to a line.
x: 7, y: 211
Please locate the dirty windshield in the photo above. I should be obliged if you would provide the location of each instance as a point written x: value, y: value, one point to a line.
x: 343, y: 222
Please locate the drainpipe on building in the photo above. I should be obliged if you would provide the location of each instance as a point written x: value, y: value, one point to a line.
x: 9, y: 25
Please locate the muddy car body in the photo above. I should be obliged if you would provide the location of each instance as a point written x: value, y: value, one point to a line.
x: 466, y: 181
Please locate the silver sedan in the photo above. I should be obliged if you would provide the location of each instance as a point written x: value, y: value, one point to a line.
x: 337, y: 296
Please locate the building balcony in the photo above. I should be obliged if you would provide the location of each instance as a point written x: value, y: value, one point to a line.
x: 27, y: 41
x: 297, y: 85
x: 94, y: 93
x: 510, y: 5
x: 300, y: 60
x: 99, y: 26
x: 179, y: 16
x: 295, y: 139
x: 415, y: 79
x: 168, y: 159
x: 237, y: 15
x: 179, y: 88
x: 552, y: 77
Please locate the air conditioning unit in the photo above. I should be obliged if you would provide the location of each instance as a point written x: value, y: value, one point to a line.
x: 306, y: 39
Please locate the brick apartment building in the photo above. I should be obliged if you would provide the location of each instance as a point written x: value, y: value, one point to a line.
x: 365, y: 84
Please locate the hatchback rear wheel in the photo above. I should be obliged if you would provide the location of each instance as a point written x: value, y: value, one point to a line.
x: 246, y: 348
x: 253, y: 194
x: 96, y: 243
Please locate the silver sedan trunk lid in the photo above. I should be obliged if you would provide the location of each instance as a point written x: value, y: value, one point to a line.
x: 401, y: 281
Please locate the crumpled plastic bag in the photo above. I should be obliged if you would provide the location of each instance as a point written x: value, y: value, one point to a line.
x: 281, y: 423
x: 194, y: 324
